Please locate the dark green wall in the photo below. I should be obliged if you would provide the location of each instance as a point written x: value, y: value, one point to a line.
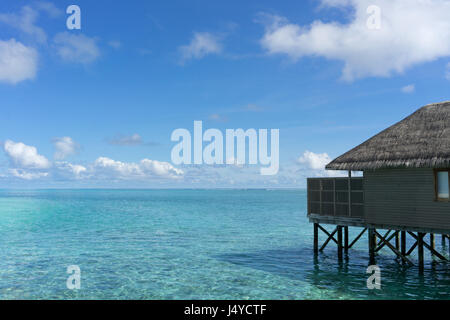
x: 404, y: 197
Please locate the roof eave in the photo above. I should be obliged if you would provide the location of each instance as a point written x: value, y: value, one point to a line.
x: 434, y: 163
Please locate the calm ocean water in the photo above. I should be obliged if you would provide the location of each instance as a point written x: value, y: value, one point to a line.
x: 186, y: 244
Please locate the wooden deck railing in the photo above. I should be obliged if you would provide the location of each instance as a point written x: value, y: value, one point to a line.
x: 336, y: 197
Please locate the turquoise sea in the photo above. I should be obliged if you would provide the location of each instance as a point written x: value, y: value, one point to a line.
x: 186, y: 244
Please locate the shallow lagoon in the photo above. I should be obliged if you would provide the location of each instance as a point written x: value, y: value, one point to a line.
x: 186, y: 244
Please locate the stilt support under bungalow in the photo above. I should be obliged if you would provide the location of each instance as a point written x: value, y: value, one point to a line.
x: 346, y: 239
x: 316, y: 238
x: 372, y: 245
x: 339, y: 235
x: 403, y: 243
x: 390, y: 246
x: 395, y: 240
x: 432, y: 243
x: 420, y: 248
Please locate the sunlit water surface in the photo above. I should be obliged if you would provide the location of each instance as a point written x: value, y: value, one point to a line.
x: 187, y: 244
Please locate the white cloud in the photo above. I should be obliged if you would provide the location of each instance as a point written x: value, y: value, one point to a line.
x: 76, y: 47
x: 49, y: 8
x: 65, y: 147
x: 117, y: 168
x: 409, y: 88
x: 162, y: 169
x: 24, y: 156
x: 25, y: 22
x: 76, y: 169
x: 27, y: 164
x: 112, y: 169
x: 202, y: 44
x: 26, y: 175
x: 17, y: 62
x: 412, y: 32
x: 315, y: 161
x: 67, y: 170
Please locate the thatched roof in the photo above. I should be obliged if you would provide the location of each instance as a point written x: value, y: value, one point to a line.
x: 420, y: 140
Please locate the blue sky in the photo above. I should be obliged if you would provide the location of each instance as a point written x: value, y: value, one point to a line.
x: 83, y: 108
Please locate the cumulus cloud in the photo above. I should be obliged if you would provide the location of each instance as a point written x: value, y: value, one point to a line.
x: 201, y: 45
x: 28, y: 164
x: 65, y: 147
x: 23, y: 156
x: 117, y: 168
x: 162, y: 169
x: 69, y: 171
x: 76, y: 47
x: 316, y: 162
x: 17, y: 62
x: 26, y: 175
x: 409, y: 88
x: 410, y: 33
x: 146, y: 168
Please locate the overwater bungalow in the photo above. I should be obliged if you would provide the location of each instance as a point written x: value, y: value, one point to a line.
x: 404, y: 188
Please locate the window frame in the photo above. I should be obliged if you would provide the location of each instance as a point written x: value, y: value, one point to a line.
x: 436, y: 194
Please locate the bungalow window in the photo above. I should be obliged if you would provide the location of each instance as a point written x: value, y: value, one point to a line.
x: 442, y: 184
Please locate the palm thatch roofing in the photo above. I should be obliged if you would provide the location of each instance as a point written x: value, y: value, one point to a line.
x: 421, y: 140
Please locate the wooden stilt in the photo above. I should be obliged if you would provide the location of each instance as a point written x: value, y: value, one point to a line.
x: 339, y: 235
x: 397, y: 240
x: 372, y: 244
x: 393, y: 239
x: 432, y: 243
x: 403, y: 243
x: 316, y: 238
x: 420, y: 248
x: 346, y: 239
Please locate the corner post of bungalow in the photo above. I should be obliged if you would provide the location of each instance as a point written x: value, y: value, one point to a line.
x: 403, y: 192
